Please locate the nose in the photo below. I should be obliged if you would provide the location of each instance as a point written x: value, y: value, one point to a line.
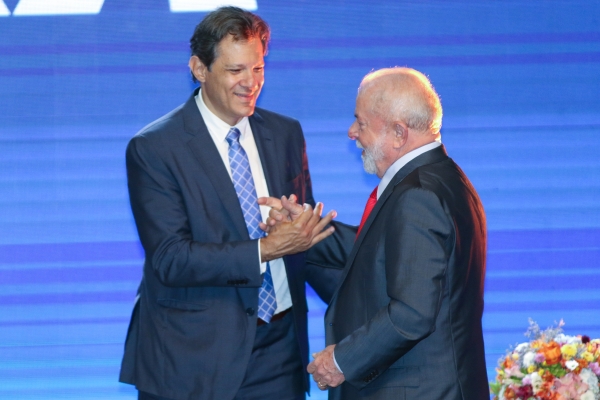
x: 353, y: 131
x: 250, y: 81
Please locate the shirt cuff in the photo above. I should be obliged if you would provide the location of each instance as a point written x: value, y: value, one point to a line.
x: 335, y: 362
x: 263, y: 265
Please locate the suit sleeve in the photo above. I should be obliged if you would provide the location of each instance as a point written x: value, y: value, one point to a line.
x: 418, y: 240
x: 326, y: 260
x: 162, y: 223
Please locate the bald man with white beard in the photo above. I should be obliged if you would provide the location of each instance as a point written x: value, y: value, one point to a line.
x: 405, y: 321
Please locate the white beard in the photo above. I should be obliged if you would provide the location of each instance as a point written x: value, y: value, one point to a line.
x: 372, y: 155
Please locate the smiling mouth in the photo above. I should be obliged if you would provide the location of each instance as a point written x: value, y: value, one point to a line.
x: 245, y: 96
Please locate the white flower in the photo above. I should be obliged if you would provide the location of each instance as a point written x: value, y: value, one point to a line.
x: 528, y: 359
x: 502, y: 390
x: 572, y: 365
x: 588, y: 377
x: 565, y: 339
x: 521, y: 347
x: 536, y: 381
x: 587, y: 396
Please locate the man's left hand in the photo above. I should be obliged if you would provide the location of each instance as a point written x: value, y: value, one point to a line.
x: 324, y: 370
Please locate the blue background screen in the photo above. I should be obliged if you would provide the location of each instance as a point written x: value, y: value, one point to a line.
x: 519, y: 82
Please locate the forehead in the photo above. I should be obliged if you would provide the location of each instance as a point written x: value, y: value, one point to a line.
x: 229, y: 50
x: 363, y: 104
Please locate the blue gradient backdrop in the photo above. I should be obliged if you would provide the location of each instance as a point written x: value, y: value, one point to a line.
x: 519, y: 82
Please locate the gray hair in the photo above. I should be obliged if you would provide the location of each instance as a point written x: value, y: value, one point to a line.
x: 407, y: 95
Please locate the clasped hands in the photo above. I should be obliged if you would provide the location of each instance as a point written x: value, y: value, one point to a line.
x: 291, y: 227
x: 303, y: 227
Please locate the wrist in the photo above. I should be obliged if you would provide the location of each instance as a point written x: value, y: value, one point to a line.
x: 266, y: 250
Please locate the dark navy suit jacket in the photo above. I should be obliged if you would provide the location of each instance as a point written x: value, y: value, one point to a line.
x: 193, y: 326
x: 406, y: 317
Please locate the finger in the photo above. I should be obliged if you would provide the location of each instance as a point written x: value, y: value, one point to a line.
x: 277, y: 214
x: 272, y: 202
x: 292, y: 206
x: 318, y: 378
x: 323, y: 222
x: 315, y: 216
x: 271, y: 222
x: 316, y: 223
x: 265, y: 227
x: 318, y: 209
x: 323, y: 235
x: 305, y: 216
x: 311, y: 368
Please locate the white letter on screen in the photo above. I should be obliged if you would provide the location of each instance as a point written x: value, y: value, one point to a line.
x: 209, y: 5
x: 58, y: 7
x: 4, y: 11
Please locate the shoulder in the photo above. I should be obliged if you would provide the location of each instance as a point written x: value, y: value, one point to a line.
x: 433, y: 175
x: 162, y: 133
x: 167, y: 123
x: 273, y: 118
x: 426, y: 184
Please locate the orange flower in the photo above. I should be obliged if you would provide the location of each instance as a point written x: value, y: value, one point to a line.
x: 547, y: 394
x: 508, y: 362
x: 548, y: 377
x: 509, y: 393
x: 582, y: 364
x: 551, y: 352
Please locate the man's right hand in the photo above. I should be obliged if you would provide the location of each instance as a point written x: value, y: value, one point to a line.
x: 293, y: 231
x: 283, y: 209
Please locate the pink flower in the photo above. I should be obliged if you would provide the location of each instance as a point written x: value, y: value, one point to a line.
x: 539, y: 358
x: 570, y: 386
x: 514, y: 371
x: 595, y: 368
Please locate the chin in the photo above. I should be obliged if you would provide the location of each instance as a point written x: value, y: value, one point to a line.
x: 247, y: 111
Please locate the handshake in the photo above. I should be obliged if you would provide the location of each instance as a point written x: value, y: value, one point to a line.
x: 291, y: 227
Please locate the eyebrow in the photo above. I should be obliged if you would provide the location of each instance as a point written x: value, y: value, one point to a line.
x: 242, y: 65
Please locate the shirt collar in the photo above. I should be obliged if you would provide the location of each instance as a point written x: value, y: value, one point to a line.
x: 401, y: 162
x: 216, y: 125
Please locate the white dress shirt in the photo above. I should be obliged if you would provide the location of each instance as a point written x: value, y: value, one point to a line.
x: 218, y: 130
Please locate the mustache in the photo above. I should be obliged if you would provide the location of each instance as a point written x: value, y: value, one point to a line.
x: 359, y: 145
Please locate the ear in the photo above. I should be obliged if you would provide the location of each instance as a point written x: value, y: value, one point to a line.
x: 400, y: 134
x: 198, y: 68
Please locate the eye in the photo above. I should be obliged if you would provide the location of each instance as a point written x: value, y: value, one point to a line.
x: 235, y: 70
x: 259, y: 69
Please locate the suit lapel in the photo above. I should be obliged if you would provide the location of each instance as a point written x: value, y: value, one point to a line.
x: 206, y: 153
x: 265, y: 143
x: 430, y: 157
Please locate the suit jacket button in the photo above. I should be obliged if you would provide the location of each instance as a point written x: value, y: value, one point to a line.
x: 250, y: 311
x: 331, y: 324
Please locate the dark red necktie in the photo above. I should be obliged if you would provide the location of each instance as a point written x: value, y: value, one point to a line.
x: 368, y: 208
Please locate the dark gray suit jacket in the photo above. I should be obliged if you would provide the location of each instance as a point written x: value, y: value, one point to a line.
x: 193, y: 327
x: 407, y: 315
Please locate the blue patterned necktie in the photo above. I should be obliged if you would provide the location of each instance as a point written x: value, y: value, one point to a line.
x: 246, y: 192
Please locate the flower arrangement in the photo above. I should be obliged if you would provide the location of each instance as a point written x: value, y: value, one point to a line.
x: 551, y: 366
